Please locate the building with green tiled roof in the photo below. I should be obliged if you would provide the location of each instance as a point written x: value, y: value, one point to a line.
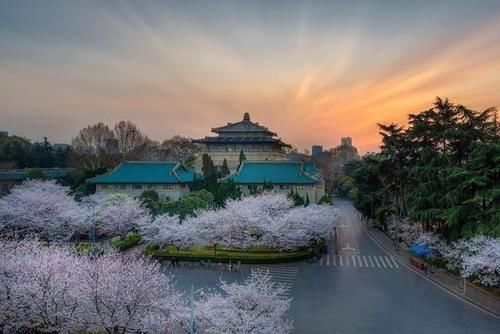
x: 169, y: 179
x: 256, y: 141
x: 283, y: 176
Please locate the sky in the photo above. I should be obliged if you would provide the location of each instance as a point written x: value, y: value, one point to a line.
x: 311, y: 71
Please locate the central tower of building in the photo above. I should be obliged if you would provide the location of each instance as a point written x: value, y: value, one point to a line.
x: 257, y: 142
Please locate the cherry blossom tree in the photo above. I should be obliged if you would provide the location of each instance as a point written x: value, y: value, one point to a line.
x: 477, y: 258
x: 37, y: 286
x: 43, y: 208
x: 256, y: 306
x: 266, y: 220
x: 50, y: 289
x: 118, y: 214
x: 121, y: 294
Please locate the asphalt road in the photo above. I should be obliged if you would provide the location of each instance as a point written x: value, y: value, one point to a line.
x: 358, y: 290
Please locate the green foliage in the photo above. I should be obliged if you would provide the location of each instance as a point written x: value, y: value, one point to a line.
x: 150, y: 199
x: 442, y: 171
x: 326, y: 199
x: 77, y: 179
x: 208, y: 168
x: 252, y: 255
x: 36, y: 174
x: 223, y: 191
x: 204, y: 195
x: 183, y: 207
x: 225, y: 169
x: 242, y: 158
x: 17, y: 152
x: 296, y: 198
x: 130, y: 240
x: 189, y: 161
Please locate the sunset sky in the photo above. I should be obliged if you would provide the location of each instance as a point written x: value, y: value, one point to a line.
x: 312, y: 71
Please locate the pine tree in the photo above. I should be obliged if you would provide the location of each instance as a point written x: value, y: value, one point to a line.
x: 207, y: 167
x: 242, y: 158
x: 225, y: 168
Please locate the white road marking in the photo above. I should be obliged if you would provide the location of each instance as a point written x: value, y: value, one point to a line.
x: 347, y: 261
x: 395, y: 263
x: 353, y: 261
x: 375, y: 258
x: 388, y: 262
x: 366, y: 263
x: 371, y: 262
x: 382, y: 260
x: 334, y: 260
x: 340, y: 260
x: 359, y: 260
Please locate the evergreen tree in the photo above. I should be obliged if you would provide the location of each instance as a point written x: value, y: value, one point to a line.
x: 441, y: 171
x: 242, y: 158
x: 208, y: 168
x: 225, y: 168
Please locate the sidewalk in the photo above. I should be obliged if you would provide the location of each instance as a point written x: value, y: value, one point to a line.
x: 473, y: 294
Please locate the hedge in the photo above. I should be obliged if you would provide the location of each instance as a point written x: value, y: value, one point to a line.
x: 256, y: 255
x: 129, y: 241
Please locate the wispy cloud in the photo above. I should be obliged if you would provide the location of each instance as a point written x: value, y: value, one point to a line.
x: 311, y: 73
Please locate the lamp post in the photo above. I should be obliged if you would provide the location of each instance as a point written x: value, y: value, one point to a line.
x: 192, y: 323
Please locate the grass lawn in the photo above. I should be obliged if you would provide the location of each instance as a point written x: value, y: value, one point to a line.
x: 129, y: 241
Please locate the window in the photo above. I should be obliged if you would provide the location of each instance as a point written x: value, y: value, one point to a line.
x: 168, y: 187
x: 151, y: 186
x: 137, y: 186
x: 122, y: 186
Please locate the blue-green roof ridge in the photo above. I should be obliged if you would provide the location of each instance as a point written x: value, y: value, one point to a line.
x: 145, y: 172
x: 276, y: 172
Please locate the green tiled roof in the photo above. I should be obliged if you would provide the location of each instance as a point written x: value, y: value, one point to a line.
x: 276, y: 172
x: 19, y: 175
x: 145, y: 172
x: 311, y: 169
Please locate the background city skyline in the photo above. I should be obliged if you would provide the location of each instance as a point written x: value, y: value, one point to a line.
x: 312, y: 72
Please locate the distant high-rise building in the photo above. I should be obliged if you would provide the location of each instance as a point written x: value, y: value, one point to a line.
x: 4, y: 133
x: 316, y: 150
x: 346, y: 141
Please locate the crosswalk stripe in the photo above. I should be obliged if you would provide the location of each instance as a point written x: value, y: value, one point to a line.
x: 394, y: 261
x: 371, y: 262
x: 388, y: 262
x: 347, y: 261
x: 353, y: 261
x: 376, y: 261
x: 359, y: 260
x: 334, y: 260
x: 340, y: 260
x: 382, y: 260
x: 366, y: 263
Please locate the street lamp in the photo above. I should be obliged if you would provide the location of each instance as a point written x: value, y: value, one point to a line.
x: 192, y: 323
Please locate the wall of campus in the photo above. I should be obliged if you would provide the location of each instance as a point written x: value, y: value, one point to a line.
x: 165, y: 191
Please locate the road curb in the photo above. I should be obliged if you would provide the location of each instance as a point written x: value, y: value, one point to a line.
x: 429, y: 279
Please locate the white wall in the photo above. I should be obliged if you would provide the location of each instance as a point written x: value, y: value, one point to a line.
x: 170, y: 191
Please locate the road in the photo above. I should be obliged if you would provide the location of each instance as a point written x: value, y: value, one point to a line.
x: 359, y: 290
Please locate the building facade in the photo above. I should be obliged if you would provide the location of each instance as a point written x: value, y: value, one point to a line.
x: 282, y: 176
x: 170, y: 180
x: 257, y: 143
